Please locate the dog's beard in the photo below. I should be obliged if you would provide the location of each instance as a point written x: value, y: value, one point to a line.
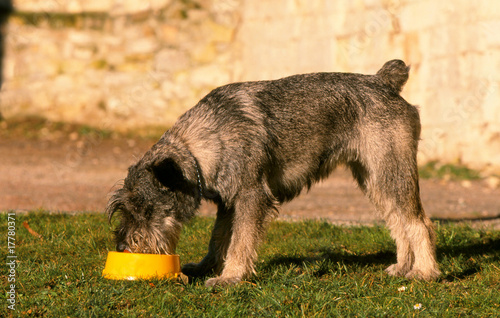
x: 154, y: 239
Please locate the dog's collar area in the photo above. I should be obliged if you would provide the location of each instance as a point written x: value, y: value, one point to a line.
x: 198, y: 174
x: 200, y: 189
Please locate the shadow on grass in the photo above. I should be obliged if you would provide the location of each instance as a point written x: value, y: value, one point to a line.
x: 489, y: 248
x: 474, y: 255
x: 467, y: 219
x: 330, y: 257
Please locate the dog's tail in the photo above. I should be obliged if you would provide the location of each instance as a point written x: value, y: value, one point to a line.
x: 395, y: 74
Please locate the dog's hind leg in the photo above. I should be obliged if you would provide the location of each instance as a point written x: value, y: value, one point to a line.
x: 392, y: 186
x: 415, y: 239
x: 405, y: 257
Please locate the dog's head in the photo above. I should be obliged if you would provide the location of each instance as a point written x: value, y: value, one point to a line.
x: 159, y: 193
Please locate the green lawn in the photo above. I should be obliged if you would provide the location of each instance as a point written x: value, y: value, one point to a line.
x: 310, y: 269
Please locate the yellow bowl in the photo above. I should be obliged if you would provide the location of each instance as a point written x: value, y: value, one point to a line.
x: 130, y: 266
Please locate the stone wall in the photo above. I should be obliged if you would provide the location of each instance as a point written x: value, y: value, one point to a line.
x: 452, y: 46
x: 122, y: 64
x: 116, y: 64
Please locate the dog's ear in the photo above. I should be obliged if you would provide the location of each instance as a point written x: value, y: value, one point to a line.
x: 174, y: 167
x: 168, y: 172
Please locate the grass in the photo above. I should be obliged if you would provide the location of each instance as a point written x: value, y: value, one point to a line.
x: 436, y: 170
x: 36, y: 128
x: 305, y: 269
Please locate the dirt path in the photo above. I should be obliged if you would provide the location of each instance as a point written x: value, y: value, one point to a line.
x: 77, y: 174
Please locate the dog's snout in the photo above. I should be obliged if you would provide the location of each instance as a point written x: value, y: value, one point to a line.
x: 121, y: 247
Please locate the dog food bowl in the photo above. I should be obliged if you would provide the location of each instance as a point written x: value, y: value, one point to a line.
x: 131, y: 266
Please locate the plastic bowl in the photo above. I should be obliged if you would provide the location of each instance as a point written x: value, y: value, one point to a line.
x: 131, y: 266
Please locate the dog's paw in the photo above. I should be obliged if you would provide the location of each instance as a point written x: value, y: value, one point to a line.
x: 222, y: 281
x: 428, y: 275
x: 396, y: 270
x: 193, y: 270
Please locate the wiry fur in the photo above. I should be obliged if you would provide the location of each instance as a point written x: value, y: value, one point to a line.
x: 251, y: 146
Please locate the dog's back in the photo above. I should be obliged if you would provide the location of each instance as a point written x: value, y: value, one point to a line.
x: 293, y: 131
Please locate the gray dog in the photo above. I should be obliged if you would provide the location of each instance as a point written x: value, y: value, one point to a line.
x: 251, y: 146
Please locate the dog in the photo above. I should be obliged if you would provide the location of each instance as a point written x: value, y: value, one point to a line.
x: 251, y: 146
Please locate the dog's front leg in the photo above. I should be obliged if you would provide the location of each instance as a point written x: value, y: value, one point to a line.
x: 250, y: 214
x: 217, y: 248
